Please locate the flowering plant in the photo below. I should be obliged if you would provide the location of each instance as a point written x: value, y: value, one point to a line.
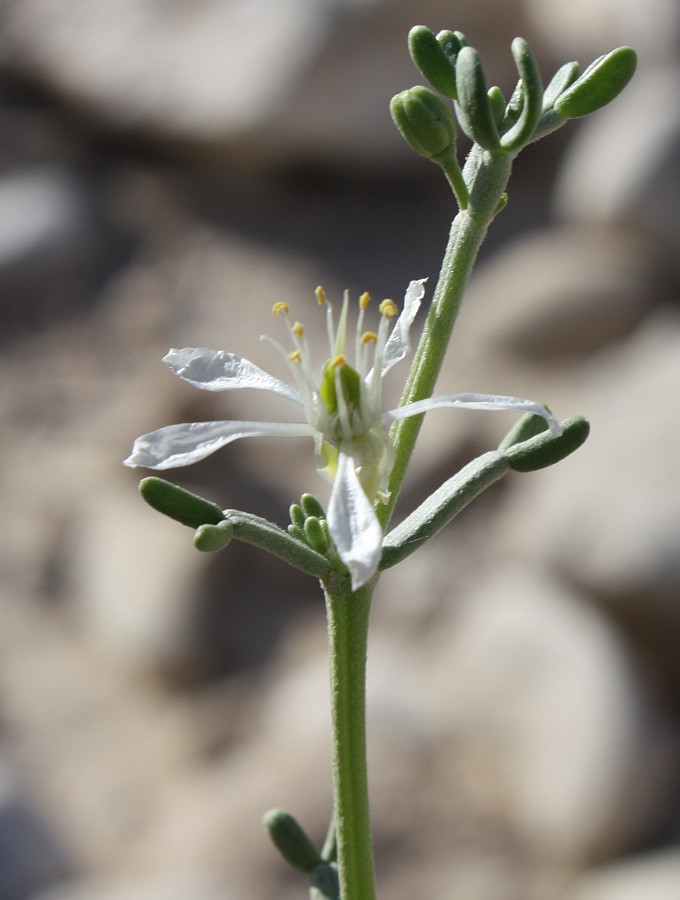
x: 362, y: 448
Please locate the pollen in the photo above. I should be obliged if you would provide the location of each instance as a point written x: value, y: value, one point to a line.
x: 321, y: 295
x: 364, y: 300
x: 389, y: 309
x: 369, y: 337
x: 280, y: 308
x: 295, y: 356
x: 298, y: 329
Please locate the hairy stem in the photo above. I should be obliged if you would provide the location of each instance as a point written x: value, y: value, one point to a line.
x: 348, y: 617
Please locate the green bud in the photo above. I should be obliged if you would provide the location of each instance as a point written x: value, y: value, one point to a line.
x: 209, y: 538
x: 315, y: 535
x: 545, y: 449
x: 297, y: 515
x: 497, y: 101
x: 292, y: 841
x: 179, y: 504
x: 474, y: 109
x: 312, y: 507
x: 602, y: 81
x: 525, y: 428
x: 424, y: 121
x: 433, y: 61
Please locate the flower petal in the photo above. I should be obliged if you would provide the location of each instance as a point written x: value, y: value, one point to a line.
x: 182, y: 445
x: 398, y: 344
x: 353, y: 524
x: 217, y: 370
x: 475, y: 401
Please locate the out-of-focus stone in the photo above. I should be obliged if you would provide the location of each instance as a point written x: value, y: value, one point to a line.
x: 587, y: 28
x: 624, y: 165
x: 652, y: 877
x: 561, y: 292
x: 265, y: 80
x: 609, y: 517
x: 552, y: 719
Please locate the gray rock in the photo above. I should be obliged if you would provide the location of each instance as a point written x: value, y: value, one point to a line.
x: 552, y: 718
x: 624, y: 165
x: 652, y: 877
x: 269, y: 80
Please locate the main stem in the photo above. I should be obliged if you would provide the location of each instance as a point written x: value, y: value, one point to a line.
x: 487, y: 175
x: 348, y: 616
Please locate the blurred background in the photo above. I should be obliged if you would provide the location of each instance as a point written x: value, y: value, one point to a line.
x: 170, y: 169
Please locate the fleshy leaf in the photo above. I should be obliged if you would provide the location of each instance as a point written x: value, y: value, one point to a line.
x: 601, y: 82
x: 179, y: 504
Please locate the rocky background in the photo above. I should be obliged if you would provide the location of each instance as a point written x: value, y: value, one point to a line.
x: 167, y: 171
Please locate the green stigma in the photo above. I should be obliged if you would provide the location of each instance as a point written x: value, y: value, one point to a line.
x: 350, y: 384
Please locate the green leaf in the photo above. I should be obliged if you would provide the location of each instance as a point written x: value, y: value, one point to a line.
x: 442, y: 506
x: 545, y: 449
x: 602, y: 81
x: 434, y: 62
x: 532, y: 97
x: 475, y: 113
x: 292, y: 841
x: 179, y: 504
x: 563, y: 78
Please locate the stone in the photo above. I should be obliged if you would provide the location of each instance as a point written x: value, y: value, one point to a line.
x: 549, y: 712
x: 624, y: 165
x: 654, y: 876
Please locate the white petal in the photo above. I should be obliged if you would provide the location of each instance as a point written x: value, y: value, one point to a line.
x: 217, y: 370
x: 398, y: 344
x: 182, y: 445
x: 353, y: 524
x: 475, y: 401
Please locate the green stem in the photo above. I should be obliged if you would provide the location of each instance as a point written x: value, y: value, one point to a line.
x: 487, y: 175
x: 348, y: 616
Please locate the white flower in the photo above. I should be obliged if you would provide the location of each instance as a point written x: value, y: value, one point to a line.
x: 342, y: 404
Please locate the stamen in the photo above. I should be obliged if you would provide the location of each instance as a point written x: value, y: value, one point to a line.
x: 295, y: 356
x: 298, y: 329
x: 389, y: 309
x: 364, y: 300
x: 280, y: 308
x: 320, y: 294
x: 337, y: 361
x: 369, y: 337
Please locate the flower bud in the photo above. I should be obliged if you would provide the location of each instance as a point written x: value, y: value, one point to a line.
x: 424, y: 121
x: 209, y: 538
x: 292, y: 841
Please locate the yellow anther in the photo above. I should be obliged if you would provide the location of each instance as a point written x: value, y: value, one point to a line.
x: 298, y: 329
x: 388, y: 308
x: 280, y: 308
x: 337, y: 361
x: 364, y: 300
x: 321, y: 295
x: 369, y: 337
x: 295, y: 356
